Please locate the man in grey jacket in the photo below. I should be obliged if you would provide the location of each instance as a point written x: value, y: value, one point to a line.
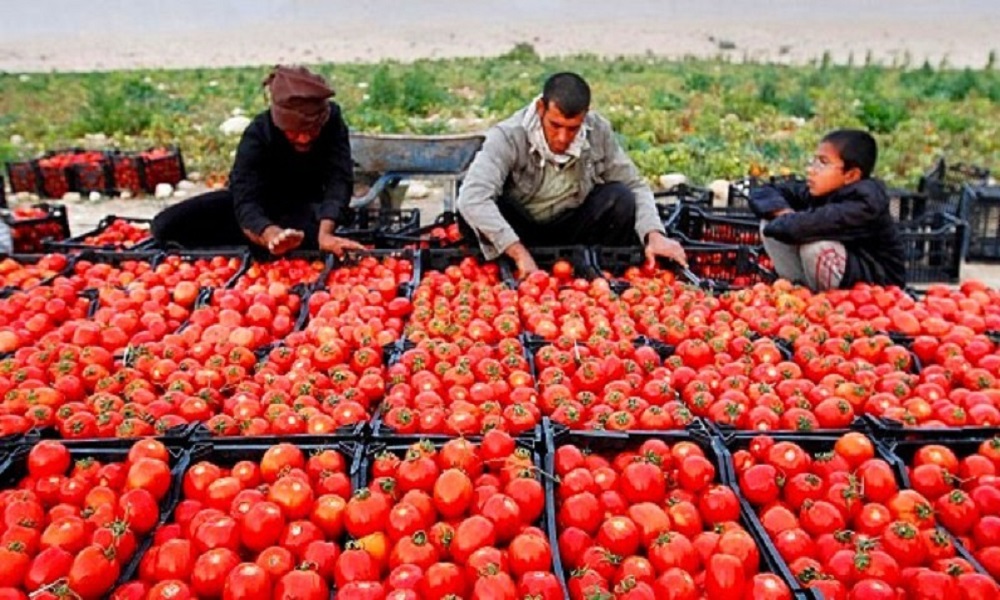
x: 553, y: 174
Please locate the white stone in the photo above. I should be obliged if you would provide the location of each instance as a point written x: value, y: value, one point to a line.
x: 720, y: 192
x: 96, y: 138
x: 24, y: 78
x: 418, y: 190
x: 236, y: 112
x: 125, y: 194
x: 16, y: 140
x: 195, y: 176
x: 95, y: 196
x: 234, y: 125
x: 185, y: 185
x: 672, y: 180
x: 213, y: 83
x: 164, y: 190
x: 71, y: 197
x: 363, y: 85
x: 179, y: 193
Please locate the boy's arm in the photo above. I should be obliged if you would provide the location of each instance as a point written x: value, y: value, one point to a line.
x: 842, y: 221
x: 768, y: 200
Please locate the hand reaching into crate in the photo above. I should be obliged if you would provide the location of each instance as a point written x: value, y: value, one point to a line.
x: 659, y: 245
x: 280, y: 241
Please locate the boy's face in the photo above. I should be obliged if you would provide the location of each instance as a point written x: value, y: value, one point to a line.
x: 826, y: 172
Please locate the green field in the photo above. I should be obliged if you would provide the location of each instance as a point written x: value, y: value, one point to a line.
x: 707, y: 119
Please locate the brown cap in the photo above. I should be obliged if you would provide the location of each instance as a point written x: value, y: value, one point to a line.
x: 298, y: 98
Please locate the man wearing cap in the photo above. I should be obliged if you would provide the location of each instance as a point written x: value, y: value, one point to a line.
x: 291, y: 181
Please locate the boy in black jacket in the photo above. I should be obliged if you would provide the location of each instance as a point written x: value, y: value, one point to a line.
x: 835, y: 230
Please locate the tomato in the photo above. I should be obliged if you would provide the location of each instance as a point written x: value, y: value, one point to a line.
x: 443, y: 579
x: 210, y: 571
x: 724, y: 577
x: 247, y: 581
x: 48, y: 458
x: 301, y: 585
x: 93, y: 572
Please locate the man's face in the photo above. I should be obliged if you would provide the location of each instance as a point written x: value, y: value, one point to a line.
x: 560, y: 130
x: 826, y: 172
x: 302, y: 141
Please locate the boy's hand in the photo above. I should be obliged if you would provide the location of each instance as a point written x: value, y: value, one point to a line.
x: 784, y: 211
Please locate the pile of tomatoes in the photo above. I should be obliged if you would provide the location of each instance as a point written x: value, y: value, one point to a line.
x: 263, y: 526
x: 965, y: 495
x: 457, y: 519
x: 72, y: 523
x: 31, y: 225
x: 652, y: 521
x: 840, y: 520
x: 120, y: 233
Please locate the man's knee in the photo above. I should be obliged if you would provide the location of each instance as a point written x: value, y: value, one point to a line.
x: 824, y: 263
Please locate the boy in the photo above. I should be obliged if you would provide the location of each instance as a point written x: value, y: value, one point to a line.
x: 835, y: 230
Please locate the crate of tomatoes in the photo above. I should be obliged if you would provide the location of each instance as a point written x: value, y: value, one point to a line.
x: 128, y: 170
x: 112, y: 233
x: 57, y: 172
x: 31, y: 225
x: 23, y: 177
x: 162, y: 165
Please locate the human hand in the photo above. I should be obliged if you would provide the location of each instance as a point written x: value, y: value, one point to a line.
x: 783, y: 211
x: 337, y: 245
x: 281, y: 241
x: 659, y: 245
x: 523, y: 260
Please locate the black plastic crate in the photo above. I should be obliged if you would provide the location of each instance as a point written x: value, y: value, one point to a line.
x: 229, y: 455
x: 128, y: 171
x: 157, y: 258
x: 34, y: 259
x: 178, y: 436
x: 439, y: 234
x: 932, y: 246
x: 815, y: 445
x: 351, y: 257
x: 84, y: 241
x: 29, y: 231
x: 614, y: 262
x: 372, y: 224
x: 982, y: 205
x: 722, y: 268
x: 16, y: 469
x: 942, y: 185
x: 604, y: 442
x: 93, y: 176
x: 545, y: 258
x: 162, y: 165
x: 692, y: 223
x: 23, y: 177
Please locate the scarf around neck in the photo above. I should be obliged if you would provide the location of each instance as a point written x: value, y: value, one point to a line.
x: 532, y: 123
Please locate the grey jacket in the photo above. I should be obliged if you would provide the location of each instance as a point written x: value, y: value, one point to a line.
x: 506, y: 166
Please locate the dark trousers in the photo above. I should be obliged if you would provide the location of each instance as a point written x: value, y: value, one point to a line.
x: 606, y: 218
x: 209, y: 221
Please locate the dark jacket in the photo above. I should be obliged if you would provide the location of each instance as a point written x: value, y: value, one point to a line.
x: 856, y: 215
x: 272, y: 183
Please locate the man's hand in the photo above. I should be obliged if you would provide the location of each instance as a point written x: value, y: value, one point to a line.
x: 659, y: 245
x: 281, y: 241
x: 522, y: 260
x: 783, y: 211
x: 337, y: 245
